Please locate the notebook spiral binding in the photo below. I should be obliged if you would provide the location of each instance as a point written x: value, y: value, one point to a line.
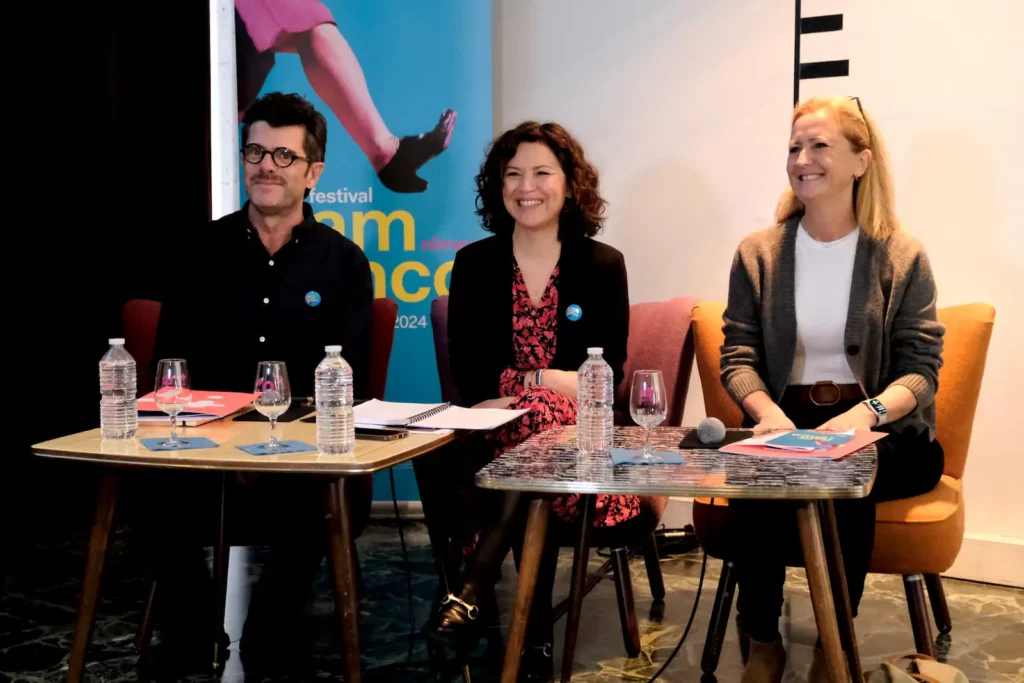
x: 427, y: 414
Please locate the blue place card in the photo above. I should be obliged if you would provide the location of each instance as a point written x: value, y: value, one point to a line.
x: 283, y: 447
x: 629, y: 456
x: 190, y: 443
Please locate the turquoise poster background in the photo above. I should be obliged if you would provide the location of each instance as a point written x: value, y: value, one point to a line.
x: 419, y: 59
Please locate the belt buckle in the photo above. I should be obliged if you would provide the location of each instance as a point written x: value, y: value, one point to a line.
x: 825, y: 402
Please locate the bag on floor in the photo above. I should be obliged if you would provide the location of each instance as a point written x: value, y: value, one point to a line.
x: 922, y: 668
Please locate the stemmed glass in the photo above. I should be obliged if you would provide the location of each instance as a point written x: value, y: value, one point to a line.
x: 172, y: 393
x: 274, y: 395
x: 647, y: 404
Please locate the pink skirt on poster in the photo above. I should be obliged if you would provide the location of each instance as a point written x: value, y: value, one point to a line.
x: 266, y: 20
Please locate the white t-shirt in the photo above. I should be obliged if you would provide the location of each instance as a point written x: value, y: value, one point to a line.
x: 824, y: 274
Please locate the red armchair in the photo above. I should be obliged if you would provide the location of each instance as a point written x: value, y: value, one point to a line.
x: 140, y: 320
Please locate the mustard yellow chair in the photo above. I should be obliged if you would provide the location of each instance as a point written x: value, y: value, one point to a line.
x: 917, y: 538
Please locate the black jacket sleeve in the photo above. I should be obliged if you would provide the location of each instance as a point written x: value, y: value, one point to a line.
x: 354, y: 325
x: 474, y: 356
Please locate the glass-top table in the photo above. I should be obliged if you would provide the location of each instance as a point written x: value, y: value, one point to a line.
x: 549, y: 463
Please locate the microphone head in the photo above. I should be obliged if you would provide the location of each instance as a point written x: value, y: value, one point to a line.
x: 711, y: 430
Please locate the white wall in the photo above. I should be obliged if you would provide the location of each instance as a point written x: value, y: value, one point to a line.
x: 684, y: 106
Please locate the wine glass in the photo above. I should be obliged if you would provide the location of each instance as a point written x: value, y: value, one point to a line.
x: 172, y: 393
x: 647, y: 403
x: 274, y: 394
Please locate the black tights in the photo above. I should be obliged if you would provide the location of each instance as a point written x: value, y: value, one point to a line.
x: 765, y: 534
x: 504, y: 527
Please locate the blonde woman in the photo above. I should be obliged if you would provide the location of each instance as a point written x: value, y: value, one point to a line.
x: 830, y: 324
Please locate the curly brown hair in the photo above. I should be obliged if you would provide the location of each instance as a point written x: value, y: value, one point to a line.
x: 583, y: 213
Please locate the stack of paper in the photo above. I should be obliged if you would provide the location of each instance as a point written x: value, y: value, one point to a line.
x: 431, y: 416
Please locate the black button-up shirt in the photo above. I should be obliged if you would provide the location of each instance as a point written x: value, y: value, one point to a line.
x: 229, y: 304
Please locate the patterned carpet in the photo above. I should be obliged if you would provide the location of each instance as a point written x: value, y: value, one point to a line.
x: 39, y: 602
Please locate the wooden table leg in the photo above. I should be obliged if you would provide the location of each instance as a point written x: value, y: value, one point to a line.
x: 837, y: 573
x: 220, y: 574
x: 821, y: 591
x: 343, y: 573
x: 529, y: 566
x: 580, y: 559
x: 102, y: 524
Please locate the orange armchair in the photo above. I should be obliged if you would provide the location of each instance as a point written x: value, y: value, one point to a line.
x: 918, y: 538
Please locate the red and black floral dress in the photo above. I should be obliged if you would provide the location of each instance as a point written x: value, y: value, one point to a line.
x: 534, y: 334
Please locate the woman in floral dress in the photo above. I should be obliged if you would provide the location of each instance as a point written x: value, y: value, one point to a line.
x: 524, y: 306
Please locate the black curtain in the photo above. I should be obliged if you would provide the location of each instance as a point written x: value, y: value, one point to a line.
x: 115, y: 114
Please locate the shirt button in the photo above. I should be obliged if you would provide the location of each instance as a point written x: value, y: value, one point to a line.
x: 266, y: 300
x: 263, y: 339
x: 271, y: 261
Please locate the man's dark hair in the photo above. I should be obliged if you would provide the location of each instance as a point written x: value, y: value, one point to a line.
x: 279, y: 110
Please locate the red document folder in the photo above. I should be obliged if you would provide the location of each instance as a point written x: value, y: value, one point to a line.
x: 205, y: 406
x: 755, y: 446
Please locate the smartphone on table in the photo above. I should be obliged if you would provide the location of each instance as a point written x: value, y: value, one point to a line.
x: 380, y: 434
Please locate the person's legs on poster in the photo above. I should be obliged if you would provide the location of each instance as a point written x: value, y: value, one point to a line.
x: 334, y: 72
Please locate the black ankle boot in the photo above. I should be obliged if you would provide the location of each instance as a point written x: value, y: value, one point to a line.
x: 537, y: 664
x: 399, y: 174
x: 461, y: 619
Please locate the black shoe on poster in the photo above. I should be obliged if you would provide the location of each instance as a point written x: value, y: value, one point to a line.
x: 399, y: 174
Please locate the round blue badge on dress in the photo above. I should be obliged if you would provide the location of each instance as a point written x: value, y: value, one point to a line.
x: 574, y: 312
x: 312, y: 298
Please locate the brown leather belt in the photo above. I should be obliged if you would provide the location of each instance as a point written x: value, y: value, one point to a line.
x: 827, y: 393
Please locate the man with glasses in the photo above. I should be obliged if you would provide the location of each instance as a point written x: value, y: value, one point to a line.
x: 267, y: 282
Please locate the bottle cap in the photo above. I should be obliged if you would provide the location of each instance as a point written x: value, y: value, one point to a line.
x: 595, y: 350
x: 334, y: 348
x: 116, y: 341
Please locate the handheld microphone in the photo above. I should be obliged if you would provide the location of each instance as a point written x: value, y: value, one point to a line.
x: 711, y: 430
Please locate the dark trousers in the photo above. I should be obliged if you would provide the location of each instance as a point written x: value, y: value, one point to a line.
x: 459, y: 510
x: 285, y: 512
x: 765, y: 533
x: 504, y: 516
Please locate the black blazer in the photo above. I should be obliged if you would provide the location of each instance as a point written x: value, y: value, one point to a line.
x: 592, y: 276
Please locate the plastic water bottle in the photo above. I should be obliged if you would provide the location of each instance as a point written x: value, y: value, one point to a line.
x: 335, y: 423
x: 595, y: 394
x: 119, y: 414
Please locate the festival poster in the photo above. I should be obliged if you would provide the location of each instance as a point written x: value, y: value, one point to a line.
x: 415, y: 73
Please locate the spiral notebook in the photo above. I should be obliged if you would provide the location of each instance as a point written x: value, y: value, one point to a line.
x: 430, y: 416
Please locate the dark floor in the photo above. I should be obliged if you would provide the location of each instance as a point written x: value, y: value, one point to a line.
x: 39, y: 603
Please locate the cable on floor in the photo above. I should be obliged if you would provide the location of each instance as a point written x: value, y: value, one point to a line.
x: 696, y: 602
